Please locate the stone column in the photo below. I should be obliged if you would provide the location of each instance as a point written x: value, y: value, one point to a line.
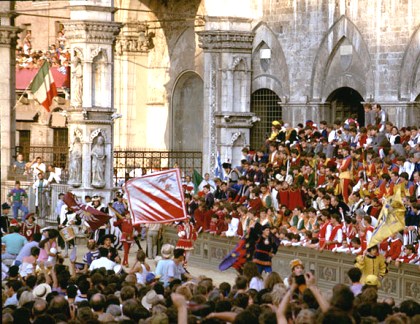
x: 91, y: 33
x: 8, y: 36
x: 131, y: 62
x: 227, y: 79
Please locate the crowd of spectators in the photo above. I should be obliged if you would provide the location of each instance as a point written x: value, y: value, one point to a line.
x: 57, y: 54
x: 311, y: 186
x: 319, y: 186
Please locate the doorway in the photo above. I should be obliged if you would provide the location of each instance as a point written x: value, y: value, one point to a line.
x: 346, y: 103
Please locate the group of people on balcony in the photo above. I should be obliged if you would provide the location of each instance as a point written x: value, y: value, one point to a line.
x: 58, y: 54
x: 319, y: 186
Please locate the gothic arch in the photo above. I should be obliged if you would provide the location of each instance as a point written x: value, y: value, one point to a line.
x: 340, y: 30
x: 276, y: 76
x: 410, y: 87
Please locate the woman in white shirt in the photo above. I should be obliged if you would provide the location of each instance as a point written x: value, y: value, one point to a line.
x: 395, y: 137
x: 255, y: 280
x: 141, y: 269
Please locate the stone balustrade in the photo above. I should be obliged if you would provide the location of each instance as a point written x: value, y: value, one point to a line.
x: 330, y: 268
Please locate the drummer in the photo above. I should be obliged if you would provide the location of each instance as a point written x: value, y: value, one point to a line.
x: 106, y: 242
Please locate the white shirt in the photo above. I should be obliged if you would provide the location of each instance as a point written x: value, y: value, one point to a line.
x: 38, y: 168
x: 232, y: 228
x: 55, y: 175
x: 102, y: 262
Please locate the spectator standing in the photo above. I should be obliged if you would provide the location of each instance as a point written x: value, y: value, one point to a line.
x: 37, y: 167
x: 153, y: 234
x: 371, y: 262
x: 355, y: 274
x: 18, y: 197
x: 4, y: 219
x: 162, y: 267
x: 42, y: 190
x: 19, y: 166
x: 54, y: 174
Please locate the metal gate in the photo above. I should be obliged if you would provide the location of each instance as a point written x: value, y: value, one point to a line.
x: 129, y: 164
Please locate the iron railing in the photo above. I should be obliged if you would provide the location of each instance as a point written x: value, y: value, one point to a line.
x: 129, y: 163
x: 56, y: 155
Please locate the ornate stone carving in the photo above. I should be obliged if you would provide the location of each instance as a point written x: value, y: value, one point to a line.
x: 95, y: 52
x: 134, y: 38
x: 8, y: 35
x: 76, y: 155
x: 92, y: 31
x: 226, y: 40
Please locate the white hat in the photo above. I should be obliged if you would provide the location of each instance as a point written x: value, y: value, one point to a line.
x: 151, y: 299
x: 167, y: 251
x: 42, y: 290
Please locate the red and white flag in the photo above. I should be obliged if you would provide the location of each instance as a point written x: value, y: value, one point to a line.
x: 156, y: 198
x: 95, y: 218
x: 43, y: 86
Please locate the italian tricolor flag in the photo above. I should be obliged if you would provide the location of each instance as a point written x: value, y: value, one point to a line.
x: 43, y: 86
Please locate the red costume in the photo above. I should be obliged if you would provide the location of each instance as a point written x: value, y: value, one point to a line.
x: 127, y: 237
x: 28, y: 230
x: 335, y: 236
x: 394, y: 249
x: 322, y: 234
x: 187, y: 235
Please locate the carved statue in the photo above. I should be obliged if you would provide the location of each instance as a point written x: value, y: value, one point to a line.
x: 77, y: 82
x: 75, y: 172
x: 98, y: 162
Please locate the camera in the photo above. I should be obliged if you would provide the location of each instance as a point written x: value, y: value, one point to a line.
x: 300, y: 280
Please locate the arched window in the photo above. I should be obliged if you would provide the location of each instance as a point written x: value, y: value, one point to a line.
x: 265, y: 104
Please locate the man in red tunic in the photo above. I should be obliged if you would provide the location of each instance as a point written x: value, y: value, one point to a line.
x: 29, y: 227
x: 324, y: 230
x: 394, y: 248
x: 336, y: 237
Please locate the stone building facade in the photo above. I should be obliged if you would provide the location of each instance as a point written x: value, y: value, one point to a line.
x: 210, y: 76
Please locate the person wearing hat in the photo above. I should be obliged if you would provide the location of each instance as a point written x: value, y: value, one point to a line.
x: 372, y: 281
x: 29, y: 227
x: 275, y: 128
x: 163, y: 265
x: 151, y: 299
x: 103, y: 261
x: 231, y: 175
x: 106, y: 241
x: 42, y: 290
x: 265, y: 249
x: 4, y: 219
x: 297, y: 268
x: 371, y: 262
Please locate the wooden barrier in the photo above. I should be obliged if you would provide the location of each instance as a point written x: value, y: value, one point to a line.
x: 330, y: 268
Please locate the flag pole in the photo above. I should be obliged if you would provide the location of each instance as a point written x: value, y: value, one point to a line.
x: 24, y: 91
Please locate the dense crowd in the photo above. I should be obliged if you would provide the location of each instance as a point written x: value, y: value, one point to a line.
x: 321, y: 187
x: 58, y: 54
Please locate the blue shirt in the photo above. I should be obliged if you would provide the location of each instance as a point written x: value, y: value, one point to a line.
x: 162, y: 269
x: 26, y: 250
x: 14, y: 243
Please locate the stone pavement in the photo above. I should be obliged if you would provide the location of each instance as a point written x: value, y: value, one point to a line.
x: 217, y: 276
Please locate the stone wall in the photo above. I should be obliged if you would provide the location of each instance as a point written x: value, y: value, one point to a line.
x: 330, y: 268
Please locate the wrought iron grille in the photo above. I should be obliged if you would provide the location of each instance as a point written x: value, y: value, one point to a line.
x: 129, y: 164
x: 265, y: 105
x: 56, y: 155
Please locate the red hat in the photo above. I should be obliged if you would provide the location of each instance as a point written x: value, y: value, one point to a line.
x: 14, y: 222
